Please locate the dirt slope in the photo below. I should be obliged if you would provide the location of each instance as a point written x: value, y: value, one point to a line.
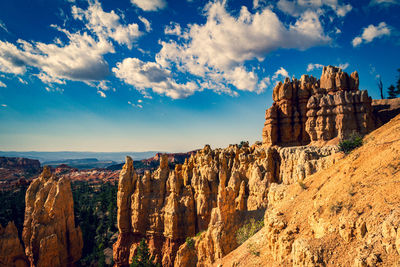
x: 346, y: 215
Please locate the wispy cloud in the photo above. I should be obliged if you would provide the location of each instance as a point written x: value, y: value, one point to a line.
x: 2, y: 84
x: 370, y: 33
x: 312, y: 66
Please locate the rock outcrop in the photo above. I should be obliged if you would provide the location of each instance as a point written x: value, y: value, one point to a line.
x: 11, y: 249
x: 205, y: 199
x: 313, y: 111
x: 49, y: 233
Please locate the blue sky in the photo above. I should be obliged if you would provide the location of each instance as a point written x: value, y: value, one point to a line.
x: 137, y: 75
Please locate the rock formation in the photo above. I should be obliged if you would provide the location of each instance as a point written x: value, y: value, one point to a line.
x: 49, y: 234
x: 206, y: 199
x: 345, y: 215
x: 311, y: 111
x: 11, y: 249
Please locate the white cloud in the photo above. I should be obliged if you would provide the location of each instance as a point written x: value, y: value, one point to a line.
x: 140, y: 101
x: 2, y: 84
x: 146, y: 23
x: 80, y: 58
x: 344, y: 65
x: 311, y: 67
x: 150, y: 5
x: 280, y: 72
x: 102, y: 94
x: 135, y: 105
x: 385, y: 3
x: 217, y: 51
x: 4, y: 105
x: 3, y: 26
x: 150, y: 75
x: 298, y: 7
x: 173, y: 29
x: 22, y: 81
x: 370, y: 33
x: 54, y: 89
x: 107, y: 25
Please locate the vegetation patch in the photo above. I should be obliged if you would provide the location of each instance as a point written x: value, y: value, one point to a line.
x: 190, y: 242
x: 143, y: 257
x: 248, y: 230
x: 348, y: 145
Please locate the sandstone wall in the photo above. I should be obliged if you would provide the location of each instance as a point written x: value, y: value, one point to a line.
x: 311, y: 111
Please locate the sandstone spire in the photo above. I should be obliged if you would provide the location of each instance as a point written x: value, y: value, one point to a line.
x: 49, y: 234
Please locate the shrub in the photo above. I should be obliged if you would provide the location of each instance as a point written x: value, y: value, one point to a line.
x: 143, y: 257
x: 347, y: 145
x: 190, y: 242
x: 248, y: 230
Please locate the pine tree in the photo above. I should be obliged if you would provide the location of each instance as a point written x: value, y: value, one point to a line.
x: 143, y: 257
x: 392, y: 92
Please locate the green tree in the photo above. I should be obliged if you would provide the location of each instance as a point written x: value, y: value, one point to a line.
x: 143, y: 257
x: 392, y: 92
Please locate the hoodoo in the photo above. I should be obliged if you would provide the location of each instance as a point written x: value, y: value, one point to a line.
x: 316, y: 111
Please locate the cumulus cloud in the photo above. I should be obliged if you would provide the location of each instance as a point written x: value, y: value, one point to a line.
x: 217, y: 51
x: 107, y: 24
x: 370, y: 33
x: 312, y: 66
x: 80, y: 58
x: 280, y: 72
x: 2, y: 84
x: 298, y: 7
x: 150, y: 75
x: 4, y: 105
x: 150, y: 5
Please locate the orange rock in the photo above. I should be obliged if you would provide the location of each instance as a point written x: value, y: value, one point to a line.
x: 318, y: 111
x: 49, y: 234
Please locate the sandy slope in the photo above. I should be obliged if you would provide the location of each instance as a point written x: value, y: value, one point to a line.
x: 347, y: 216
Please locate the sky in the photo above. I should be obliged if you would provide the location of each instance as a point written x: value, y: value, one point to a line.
x: 140, y: 75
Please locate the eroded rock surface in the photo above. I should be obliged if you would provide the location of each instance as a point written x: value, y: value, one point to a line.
x: 206, y: 199
x: 310, y: 110
x: 11, y: 249
x: 49, y: 234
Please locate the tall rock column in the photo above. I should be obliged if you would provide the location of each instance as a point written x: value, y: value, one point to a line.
x: 126, y: 184
x: 49, y: 234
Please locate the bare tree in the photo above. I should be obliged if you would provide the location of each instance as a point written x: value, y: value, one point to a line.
x: 380, y: 86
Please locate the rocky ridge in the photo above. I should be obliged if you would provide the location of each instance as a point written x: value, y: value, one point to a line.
x: 210, y: 196
x: 345, y: 215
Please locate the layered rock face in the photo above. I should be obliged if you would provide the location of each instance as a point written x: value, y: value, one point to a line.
x: 207, y: 199
x: 49, y: 234
x: 310, y: 110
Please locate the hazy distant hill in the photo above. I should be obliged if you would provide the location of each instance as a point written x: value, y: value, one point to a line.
x: 88, y: 163
x: 70, y: 155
